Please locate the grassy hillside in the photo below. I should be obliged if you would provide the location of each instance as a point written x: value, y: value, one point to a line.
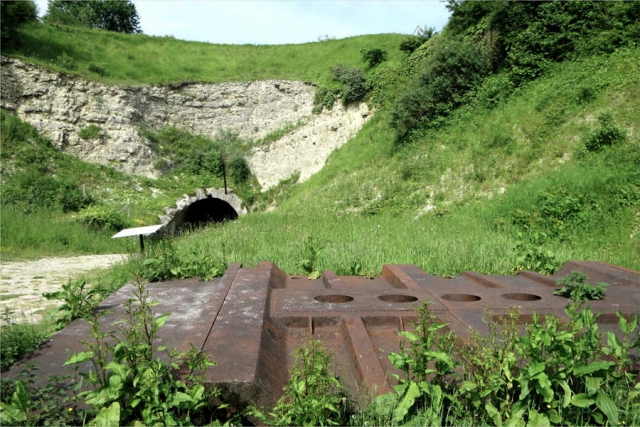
x: 135, y: 59
x: 471, y: 194
x: 496, y: 190
x: 489, y: 154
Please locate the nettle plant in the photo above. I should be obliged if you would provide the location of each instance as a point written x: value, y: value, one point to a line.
x: 313, y: 396
x: 131, y: 383
x: 557, y: 372
x: 576, y: 286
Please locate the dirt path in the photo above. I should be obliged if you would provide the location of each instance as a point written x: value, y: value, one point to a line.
x: 23, y: 283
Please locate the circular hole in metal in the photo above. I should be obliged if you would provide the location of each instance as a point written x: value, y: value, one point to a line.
x: 522, y: 297
x: 336, y: 299
x: 397, y: 298
x: 461, y: 297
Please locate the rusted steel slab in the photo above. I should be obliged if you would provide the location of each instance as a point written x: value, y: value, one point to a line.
x: 251, y: 320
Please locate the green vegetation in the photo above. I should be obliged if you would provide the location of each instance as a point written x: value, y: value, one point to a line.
x: 141, y: 59
x: 132, y: 384
x: 15, y: 14
x: 576, y: 286
x: 119, y: 15
x: 555, y: 374
x: 19, y: 337
x: 90, y: 132
x: 313, y: 396
x: 373, y: 57
x: 507, y: 142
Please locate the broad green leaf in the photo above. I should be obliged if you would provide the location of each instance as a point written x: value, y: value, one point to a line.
x: 118, y: 369
x: 108, y: 417
x: 544, y: 386
x: 494, y: 414
x: 10, y: 415
x: 314, y: 275
x: 537, y: 419
x: 467, y: 386
x: 411, y: 336
x: 161, y: 320
x: 622, y: 321
x: 592, y: 367
x: 536, y: 368
x: 608, y: 407
x: 79, y: 358
x: 554, y: 417
x: 438, y: 355
x: 21, y: 398
x: 516, y: 416
x: 406, y: 402
x: 593, y: 384
x: 180, y: 397
x: 597, y: 416
x: 566, y: 400
x: 582, y: 400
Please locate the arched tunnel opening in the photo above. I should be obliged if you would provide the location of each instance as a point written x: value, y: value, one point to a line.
x: 207, y: 210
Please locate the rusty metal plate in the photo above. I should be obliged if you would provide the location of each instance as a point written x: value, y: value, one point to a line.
x: 251, y: 320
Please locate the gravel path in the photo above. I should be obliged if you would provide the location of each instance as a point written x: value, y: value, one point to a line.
x: 23, y: 283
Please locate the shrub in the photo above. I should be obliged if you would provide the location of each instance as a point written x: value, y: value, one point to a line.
x: 239, y: 169
x: 606, y: 135
x: 14, y: 14
x: 90, y: 132
x: 324, y: 97
x: 34, y: 191
x: 449, y: 74
x: 373, y: 57
x: 99, y: 217
x: 133, y: 385
x: 65, y: 61
x: 209, y: 161
x: 93, y: 68
x: 356, y: 87
x: 410, y: 44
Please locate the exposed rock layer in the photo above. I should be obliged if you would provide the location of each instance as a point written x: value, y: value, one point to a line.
x: 60, y: 106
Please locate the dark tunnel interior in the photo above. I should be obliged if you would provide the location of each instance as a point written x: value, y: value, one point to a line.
x: 207, y: 210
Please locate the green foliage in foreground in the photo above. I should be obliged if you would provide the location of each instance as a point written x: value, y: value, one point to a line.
x: 19, y: 337
x: 132, y: 384
x: 313, y: 396
x: 556, y: 373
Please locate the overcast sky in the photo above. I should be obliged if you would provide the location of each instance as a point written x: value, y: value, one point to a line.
x: 282, y: 21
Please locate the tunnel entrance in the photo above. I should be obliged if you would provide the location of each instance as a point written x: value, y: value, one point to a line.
x: 207, y: 210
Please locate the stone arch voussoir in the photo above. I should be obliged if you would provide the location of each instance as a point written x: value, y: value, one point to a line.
x: 228, y: 206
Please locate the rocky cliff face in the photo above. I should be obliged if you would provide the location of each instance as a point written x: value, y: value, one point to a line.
x: 60, y: 106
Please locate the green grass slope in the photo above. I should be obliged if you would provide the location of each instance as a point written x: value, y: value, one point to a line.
x: 136, y: 59
x: 495, y: 188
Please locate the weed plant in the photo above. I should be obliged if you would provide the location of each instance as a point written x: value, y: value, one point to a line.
x: 554, y: 373
x: 576, y: 286
x: 313, y: 396
x: 20, y: 336
x: 132, y: 384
